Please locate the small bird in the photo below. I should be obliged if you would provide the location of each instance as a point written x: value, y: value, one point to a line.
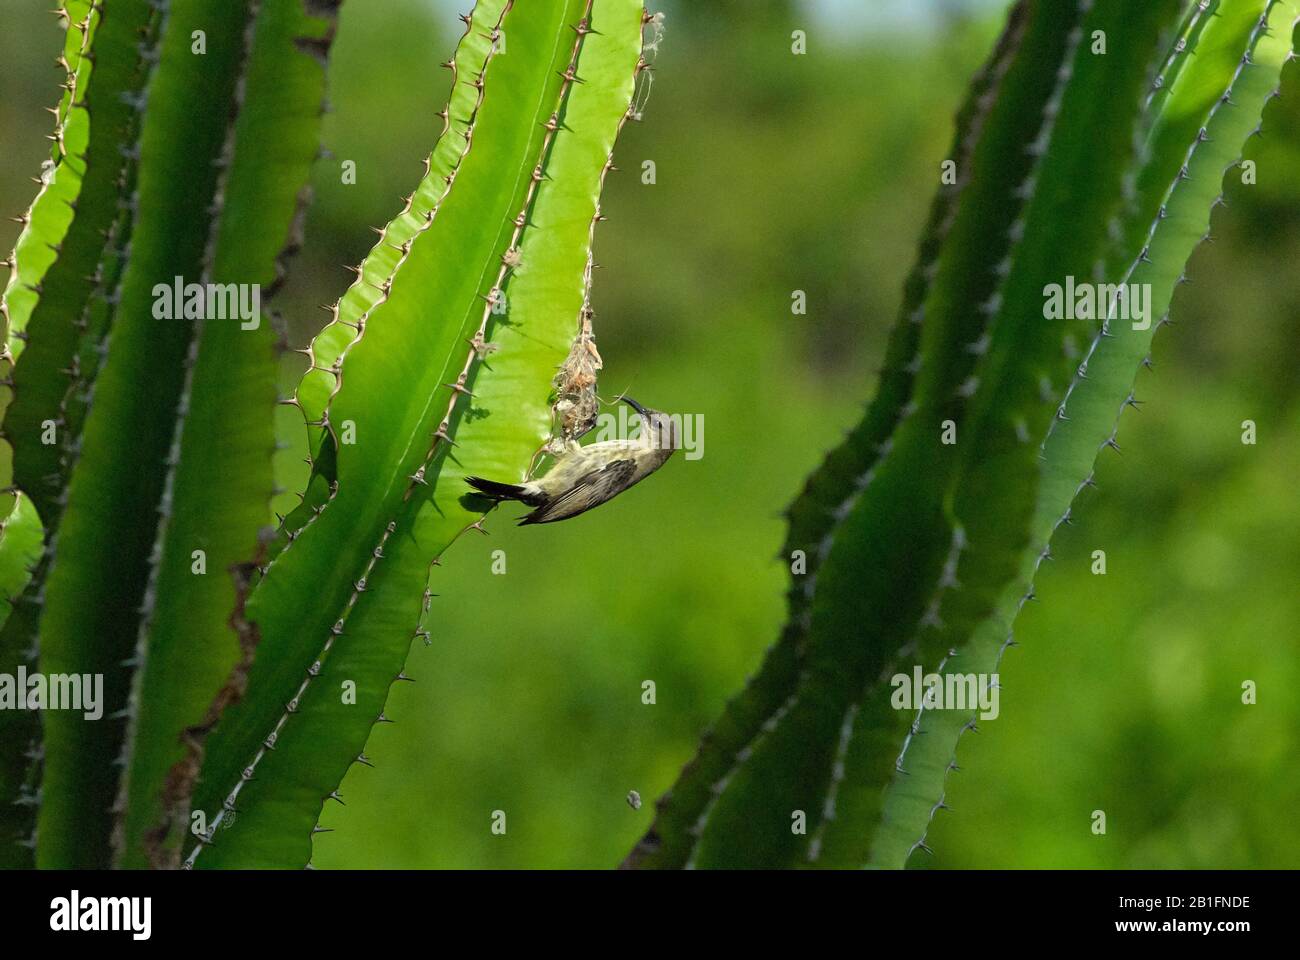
x: 586, y: 477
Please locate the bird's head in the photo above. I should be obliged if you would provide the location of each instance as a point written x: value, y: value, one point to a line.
x: 662, y: 429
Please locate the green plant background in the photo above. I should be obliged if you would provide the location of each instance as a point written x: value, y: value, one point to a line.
x: 776, y: 173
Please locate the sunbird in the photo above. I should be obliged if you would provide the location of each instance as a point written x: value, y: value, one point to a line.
x: 586, y: 477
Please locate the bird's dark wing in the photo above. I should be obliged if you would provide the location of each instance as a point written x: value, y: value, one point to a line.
x: 590, y: 490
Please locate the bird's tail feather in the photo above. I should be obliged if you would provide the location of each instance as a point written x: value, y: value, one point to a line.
x: 499, y: 491
x: 496, y: 490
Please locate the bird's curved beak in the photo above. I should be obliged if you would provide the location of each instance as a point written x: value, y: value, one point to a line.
x: 635, y: 406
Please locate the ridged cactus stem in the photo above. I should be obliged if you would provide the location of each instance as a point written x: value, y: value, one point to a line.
x: 531, y: 171
x: 328, y: 351
x: 914, y: 546
x: 474, y: 355
x: 149, y: 604
x: 1053, y: 513
x: 248, y: 773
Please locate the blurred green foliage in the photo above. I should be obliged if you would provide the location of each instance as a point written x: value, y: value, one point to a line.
x: 777, y: 173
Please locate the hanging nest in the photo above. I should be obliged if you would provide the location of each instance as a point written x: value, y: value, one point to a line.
x: 576, y: 405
